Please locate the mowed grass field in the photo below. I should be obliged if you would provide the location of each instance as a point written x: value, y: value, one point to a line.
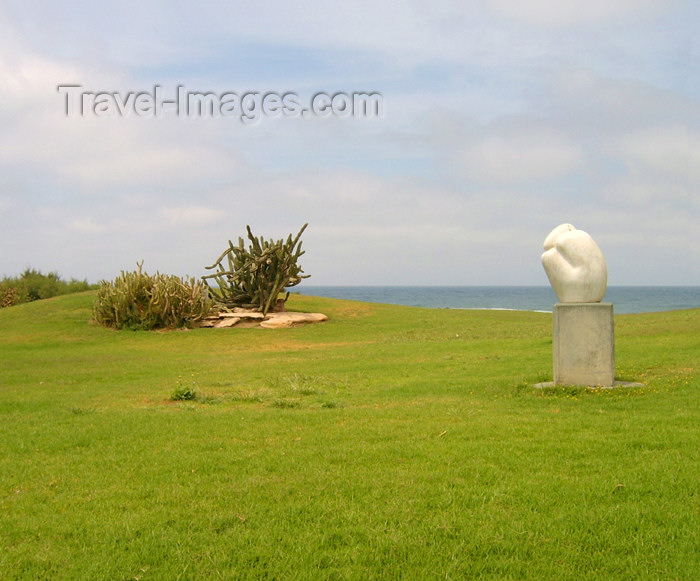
x: 387, y: 443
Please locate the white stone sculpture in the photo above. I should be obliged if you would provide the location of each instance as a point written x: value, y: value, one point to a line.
x: 574, y: 265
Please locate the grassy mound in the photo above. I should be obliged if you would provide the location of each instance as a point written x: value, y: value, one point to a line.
x: 388, y: 443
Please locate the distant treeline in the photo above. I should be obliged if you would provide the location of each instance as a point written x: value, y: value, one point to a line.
x: 32, y: 285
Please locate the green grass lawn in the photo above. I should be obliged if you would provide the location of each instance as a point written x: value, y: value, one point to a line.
x: 388, y: 443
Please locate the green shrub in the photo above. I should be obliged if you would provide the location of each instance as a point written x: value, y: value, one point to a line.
x: 254, y: 277
x: 184, y: 393
x: 32, y: 285
x: 186, y: 390
x: 136, y: 300
x: 8, y: 296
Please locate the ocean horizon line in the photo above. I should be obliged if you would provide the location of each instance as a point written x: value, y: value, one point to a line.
x: 625, y: 298
x: 300, y: 287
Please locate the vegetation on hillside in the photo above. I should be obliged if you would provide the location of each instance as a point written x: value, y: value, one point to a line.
x: 253, y: 278
x: 33, y: 285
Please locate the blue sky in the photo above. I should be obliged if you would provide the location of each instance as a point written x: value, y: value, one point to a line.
x: 501, y: 120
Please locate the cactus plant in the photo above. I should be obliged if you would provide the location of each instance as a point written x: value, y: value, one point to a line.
x: 137, y: 300
x: 254, y: 277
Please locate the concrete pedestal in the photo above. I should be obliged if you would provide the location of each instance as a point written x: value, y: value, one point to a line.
x: 584, y: 344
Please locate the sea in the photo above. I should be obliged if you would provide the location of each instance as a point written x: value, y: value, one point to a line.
x: 625, y: 299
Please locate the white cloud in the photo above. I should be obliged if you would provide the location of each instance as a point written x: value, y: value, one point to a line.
x: 550, y: 13
x: 190, y: 215
x: 94, y: 154
x: 519, y: 156
x: 87, y: 226
x: 669, y: 151
x: 591, y: 102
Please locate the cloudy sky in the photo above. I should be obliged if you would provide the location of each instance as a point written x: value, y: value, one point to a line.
x: 500, y: 120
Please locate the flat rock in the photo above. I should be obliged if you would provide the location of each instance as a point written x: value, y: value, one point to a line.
x: 226, y: 322
x: 249, y: 318
x: 289, y: 319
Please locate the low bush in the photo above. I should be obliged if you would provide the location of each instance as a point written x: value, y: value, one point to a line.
x: 185, y: 390
x: 32, y: 285
x: 137, y: 300
x: 183, y: 393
